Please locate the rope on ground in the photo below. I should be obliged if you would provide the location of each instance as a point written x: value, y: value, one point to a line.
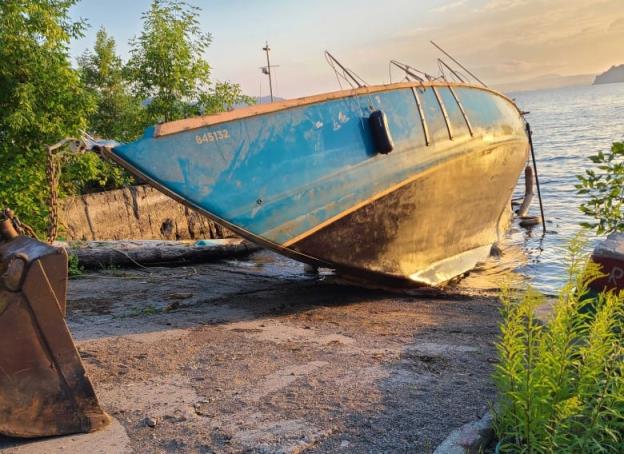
x: 128, y: 256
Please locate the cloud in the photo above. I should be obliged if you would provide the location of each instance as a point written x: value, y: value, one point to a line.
x: 617, y: 25
x: 512, y: 67
x: 501, y: 5
x: 415, y: 32
x: 537, y: 37
x: 449, y: 6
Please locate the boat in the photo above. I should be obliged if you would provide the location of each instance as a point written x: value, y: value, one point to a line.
x: 408, y: 182
x: 310, y: 178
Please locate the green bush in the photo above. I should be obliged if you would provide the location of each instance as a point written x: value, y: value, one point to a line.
x: 74, y: 268
x: 41, y: 99
x: 560, y: 383
x: 605, y: 188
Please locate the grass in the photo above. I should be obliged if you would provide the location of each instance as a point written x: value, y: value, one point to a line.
x: 74, y: 268
x: 144, y: 311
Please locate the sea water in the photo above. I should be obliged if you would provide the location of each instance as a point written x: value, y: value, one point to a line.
x: 569, y: 124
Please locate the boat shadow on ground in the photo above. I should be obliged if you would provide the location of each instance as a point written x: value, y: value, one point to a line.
x: 139, y: 301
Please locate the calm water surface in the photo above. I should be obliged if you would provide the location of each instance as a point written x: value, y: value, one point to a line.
x: 569, y: 124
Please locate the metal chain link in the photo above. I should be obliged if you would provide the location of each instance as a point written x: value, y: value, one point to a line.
x: 55, y: 155
x: 53, y: 173
x: 20, y: 227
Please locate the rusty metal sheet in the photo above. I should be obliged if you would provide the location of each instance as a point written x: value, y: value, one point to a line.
x: 44, y: 389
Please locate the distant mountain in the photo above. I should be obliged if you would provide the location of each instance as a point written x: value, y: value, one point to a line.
x: 260, y: 100
x: 545, y: 82
x: 612, y: 75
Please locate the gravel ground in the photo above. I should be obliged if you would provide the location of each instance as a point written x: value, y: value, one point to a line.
x: 255, y: 356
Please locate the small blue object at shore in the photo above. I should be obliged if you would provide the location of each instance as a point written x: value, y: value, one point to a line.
x: 206, y: 243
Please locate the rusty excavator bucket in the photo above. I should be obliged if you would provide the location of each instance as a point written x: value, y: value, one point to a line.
x: 44, y: 389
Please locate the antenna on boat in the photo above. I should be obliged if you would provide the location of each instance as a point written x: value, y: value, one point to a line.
x: 344, y: 72
x: 267, y: 69
x: 411, y: 71
x: 458, y: 63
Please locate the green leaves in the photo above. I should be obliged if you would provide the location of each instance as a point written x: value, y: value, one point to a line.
x: 561, y: 384
x: 119, y: 115
x: 167, y: 64
x: 604, y: 191
x: 41, y: 98
x: 168, y: 70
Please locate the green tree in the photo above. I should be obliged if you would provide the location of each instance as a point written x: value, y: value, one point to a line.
x: 223, y: 96
x: 604, y: 188
x: 168, y: 68
x: 118, y: 115
x: 41, y: 98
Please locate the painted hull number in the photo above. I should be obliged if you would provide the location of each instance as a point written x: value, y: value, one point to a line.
x: 212, y: 136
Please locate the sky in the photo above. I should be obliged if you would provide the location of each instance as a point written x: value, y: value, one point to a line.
x: 501, y: 41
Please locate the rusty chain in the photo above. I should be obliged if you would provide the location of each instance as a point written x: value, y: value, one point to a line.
x: 55, y: 155
x: 53, y: 174
x: 20, y: 227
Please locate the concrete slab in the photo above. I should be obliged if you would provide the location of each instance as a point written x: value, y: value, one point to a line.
x: 112, y: 440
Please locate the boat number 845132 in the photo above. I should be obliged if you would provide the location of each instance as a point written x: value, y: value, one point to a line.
x: 222, y: 134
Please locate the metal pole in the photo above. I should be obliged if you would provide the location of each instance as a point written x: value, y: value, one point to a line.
x: 407, y: 69
x: 451, y: 70
x: 346, y: 70
x: 539, y: 194
x: 267, y: 49
x: 458, y: 63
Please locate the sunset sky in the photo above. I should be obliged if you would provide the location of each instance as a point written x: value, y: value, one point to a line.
x: 500, y: 40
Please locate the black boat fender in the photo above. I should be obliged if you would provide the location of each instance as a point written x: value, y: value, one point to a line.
x: 382, y: 139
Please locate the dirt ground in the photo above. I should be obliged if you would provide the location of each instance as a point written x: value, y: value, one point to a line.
x: 256, y: 356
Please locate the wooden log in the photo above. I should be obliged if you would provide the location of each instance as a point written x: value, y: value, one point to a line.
x: 104, y: 254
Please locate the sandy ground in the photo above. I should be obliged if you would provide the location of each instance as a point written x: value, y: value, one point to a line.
x: 255, y: 356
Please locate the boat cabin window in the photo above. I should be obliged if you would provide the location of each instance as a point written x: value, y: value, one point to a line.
x: 455, y: 116
x: 489, y: 113
x: 436, y: 124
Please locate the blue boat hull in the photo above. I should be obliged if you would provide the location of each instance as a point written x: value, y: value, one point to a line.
x: 304, y: 177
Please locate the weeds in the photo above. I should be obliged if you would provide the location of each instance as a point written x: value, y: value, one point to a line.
x: 147, y: 310
x: 74, y: 268
x: 113, y: 270
x: 561, y: 384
